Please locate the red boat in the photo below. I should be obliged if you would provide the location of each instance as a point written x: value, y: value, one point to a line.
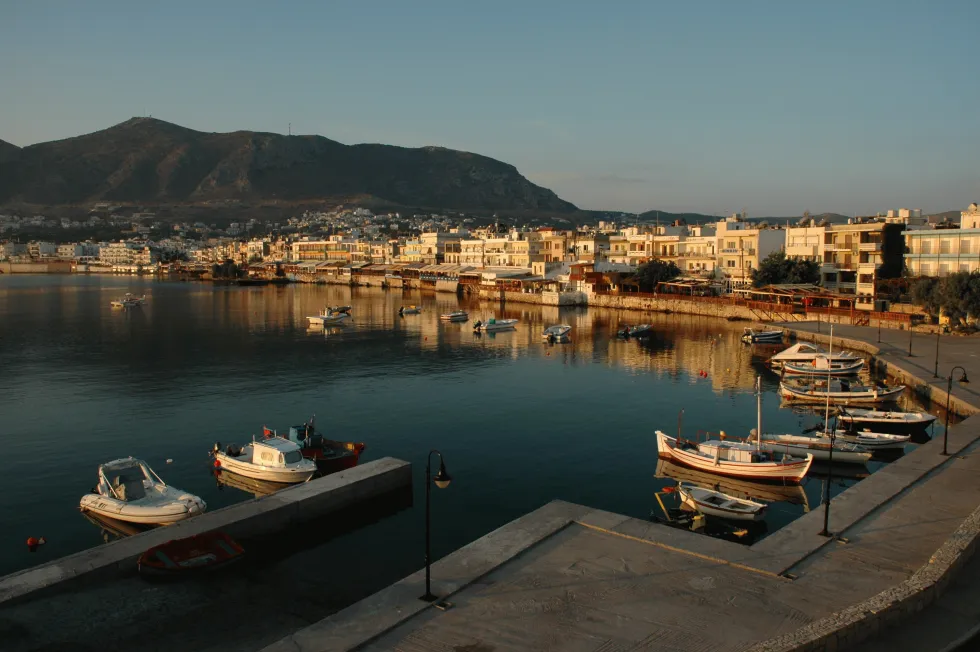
x: 330, y: 455
x: 203, y: 552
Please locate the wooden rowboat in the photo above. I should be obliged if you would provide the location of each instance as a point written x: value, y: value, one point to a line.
x: 716, y: 503
x: 203, y: 552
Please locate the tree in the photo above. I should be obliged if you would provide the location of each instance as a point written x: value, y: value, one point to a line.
x: 656, y: 271
x: 925, y: 293
x: 777, y: 268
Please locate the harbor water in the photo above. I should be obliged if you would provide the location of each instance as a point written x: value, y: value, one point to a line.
x: 519, y: 421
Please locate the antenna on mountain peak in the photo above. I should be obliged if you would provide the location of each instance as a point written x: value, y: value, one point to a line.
x: 290, y: 129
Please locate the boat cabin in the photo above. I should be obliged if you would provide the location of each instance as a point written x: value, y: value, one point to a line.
x: 275, y: 452
x: 734, y: 452
x: 123, y: 479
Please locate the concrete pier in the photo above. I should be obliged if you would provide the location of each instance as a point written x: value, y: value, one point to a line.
x: 252, y: 518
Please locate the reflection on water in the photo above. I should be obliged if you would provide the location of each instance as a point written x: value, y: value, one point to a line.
x: 521, y: 421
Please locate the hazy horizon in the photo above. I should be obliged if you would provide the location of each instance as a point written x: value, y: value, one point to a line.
x: 707, y: 108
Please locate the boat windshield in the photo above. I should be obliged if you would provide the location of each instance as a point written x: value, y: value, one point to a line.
x: 292, y: 457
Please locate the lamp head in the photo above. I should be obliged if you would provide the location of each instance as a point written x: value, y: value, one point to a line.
x: 442, y: 478
x: 963, y: 378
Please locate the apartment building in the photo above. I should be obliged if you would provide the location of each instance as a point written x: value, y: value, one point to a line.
x: 940, y: 252
x: 741, y: 246
x: 127, y: 253
x: 698, y: 251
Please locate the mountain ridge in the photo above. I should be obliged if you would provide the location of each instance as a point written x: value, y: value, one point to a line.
x: 147, y: 160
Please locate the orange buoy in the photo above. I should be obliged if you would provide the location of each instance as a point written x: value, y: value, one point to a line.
x: 34, y: 542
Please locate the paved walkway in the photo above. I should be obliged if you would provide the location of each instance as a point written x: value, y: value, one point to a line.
x: 894, y: 348
x: 600, y: 582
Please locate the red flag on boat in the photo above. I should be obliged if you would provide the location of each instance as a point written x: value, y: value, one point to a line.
x: 669, y: 490
x: 267, y: 432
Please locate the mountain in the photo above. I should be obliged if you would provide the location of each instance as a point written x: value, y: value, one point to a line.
x: 147, y: 161
x: 8, y: 152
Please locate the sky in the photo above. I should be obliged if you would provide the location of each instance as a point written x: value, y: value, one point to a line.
x: 850, y: 106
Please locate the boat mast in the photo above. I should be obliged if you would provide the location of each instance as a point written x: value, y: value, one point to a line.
x: 758, y: 411
x: 830, y: 357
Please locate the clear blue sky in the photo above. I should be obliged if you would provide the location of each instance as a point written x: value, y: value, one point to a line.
x: 778, y: 107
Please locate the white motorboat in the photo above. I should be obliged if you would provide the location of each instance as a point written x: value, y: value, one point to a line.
x: 805, y: 352
x: 838, y: 392
x: 556, y: 332
x: 456, y: 315
x: 735, y: 458
x: 128, y: 301
x: 274, y: 459
x: 716, y: 503
x: 824, y: 366
x: 329, y: 316
x: 130, y: 491
x: 873, y: 441
x: 767, y: 336
x: 800, y: 445
x: 409, y: 310
x: 896, y: 423
x: 493, y: 325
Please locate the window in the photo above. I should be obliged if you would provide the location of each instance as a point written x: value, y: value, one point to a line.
x: 731, y: 263
x: 964, y: 267
x: 292, y: 457
x: 944, y: 269
x: 926, y: 269
x: 945, y: 245
x: 965, y: 246
x: 731, y: 244
x: 925, y: 246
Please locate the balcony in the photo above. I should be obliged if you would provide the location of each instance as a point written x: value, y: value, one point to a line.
x: 870, y: 246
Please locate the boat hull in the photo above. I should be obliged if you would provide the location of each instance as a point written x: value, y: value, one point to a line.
x: 202, y: 553
x: 720, y: 511
x: 840, y: 398
x: 740, y: 488
x: 160, y: 514
x: 258, y: 472
x: 885, y: 425
x: 766, y: 471
x: 843, y: 369
x: 331, y: 460
x: 873, y: 443
x: 771, y: 337
x: 819, y: 453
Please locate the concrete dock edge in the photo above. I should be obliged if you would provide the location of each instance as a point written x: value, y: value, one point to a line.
x: 254, y: 517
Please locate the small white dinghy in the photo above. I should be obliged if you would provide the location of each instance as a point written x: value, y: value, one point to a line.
x: 556, y: 332
x: 130, y: 491
x: 493, y: 325
x: 716, y: 503
x: 409, y: 310
x: 328, y: 316
x: 274, y: 459
x: 456, y: 315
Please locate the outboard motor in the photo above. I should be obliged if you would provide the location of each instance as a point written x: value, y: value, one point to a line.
x: 217, y: 447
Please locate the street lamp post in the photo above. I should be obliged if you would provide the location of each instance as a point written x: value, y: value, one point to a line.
x: 830, y: 477
x: 949, y: 390
x: 910, y: 337
x: 935, y: 372
x: 442, y: 481
x: 879, y: 330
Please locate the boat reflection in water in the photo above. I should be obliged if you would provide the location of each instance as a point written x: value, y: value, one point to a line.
x: 760, y: 491
x: 258, y: 488
x: 113, y: 529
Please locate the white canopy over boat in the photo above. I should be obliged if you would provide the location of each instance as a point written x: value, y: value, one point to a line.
x: 806, y: 352
x: 274, y: 459
x: 129, y: 490
x: 716, y: 503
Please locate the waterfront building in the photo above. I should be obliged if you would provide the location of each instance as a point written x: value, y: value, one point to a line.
x: 698, y: 251
x: 741, y: 246
x: 943, y: 251
x: 855, y: 255
x: 127, y: 254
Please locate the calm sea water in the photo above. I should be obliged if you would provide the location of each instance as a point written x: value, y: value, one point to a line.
x: 520, y: 422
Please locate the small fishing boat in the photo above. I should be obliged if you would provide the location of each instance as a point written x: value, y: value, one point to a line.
x: 739, y: 488
x: 274, y: 459
x: 800, y: 445
x: 716, y: 503
x: 735, y: 458
x: 128, y: 301
x: 456, y: 315
x: 493, y: 325
x: 872, y: 441
x: 409, y: 310
x: 330, y: 455
x: 767, y: 336
x: 345, y: 309
x: 203, y: 552
x: 824, y: 366
x: 896, y: 423
x: 556, y: 332
x: 806, y: 352
x: 643, y: 330
x: 129, y: 490
x: 837, y: 391
x: 329, y: 316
